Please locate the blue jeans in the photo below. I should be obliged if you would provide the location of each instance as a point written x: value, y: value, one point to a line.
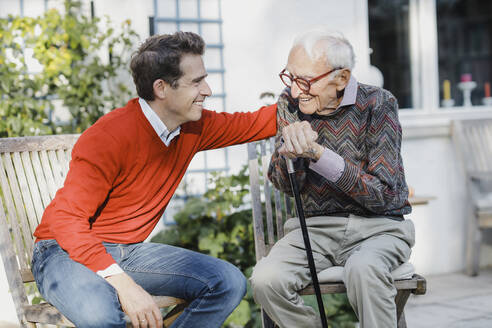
x: 212, y: 287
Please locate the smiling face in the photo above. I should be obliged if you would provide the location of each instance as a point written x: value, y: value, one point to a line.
x: 185, y: 102
x: 322, y: 97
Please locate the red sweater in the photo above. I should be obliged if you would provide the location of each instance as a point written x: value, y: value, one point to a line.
x: 122, y: 177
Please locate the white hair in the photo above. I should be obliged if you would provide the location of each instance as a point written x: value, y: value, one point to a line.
x: 333, y: 45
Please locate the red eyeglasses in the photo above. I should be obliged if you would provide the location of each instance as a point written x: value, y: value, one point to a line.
x: 302, y: 83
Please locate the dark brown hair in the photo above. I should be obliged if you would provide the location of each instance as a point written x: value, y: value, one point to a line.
x: 159, y: 58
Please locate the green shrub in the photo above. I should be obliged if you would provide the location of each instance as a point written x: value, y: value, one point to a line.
x: 68, y: 47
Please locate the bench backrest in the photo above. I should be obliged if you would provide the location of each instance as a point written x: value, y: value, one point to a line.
x: 474, y: 141
x: 31, y: 171
x: 271, y: 208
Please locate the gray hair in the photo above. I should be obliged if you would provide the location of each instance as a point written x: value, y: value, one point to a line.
x: 337, y: 49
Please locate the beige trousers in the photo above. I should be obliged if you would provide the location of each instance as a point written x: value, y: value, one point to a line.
x: 368, y: 248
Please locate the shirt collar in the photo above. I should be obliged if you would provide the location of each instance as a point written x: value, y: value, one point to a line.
x: 158, y: 126
x: 350, y: 93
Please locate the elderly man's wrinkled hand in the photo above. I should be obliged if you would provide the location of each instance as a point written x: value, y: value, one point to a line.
x: 300, y: 141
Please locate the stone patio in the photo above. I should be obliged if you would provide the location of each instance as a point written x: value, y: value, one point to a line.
x: 453, y: 301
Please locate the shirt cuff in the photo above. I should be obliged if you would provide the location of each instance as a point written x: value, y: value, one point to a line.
x: 110, y: 270
x: 330, y: 165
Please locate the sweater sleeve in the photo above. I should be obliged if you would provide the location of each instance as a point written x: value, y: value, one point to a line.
x: 381, y: 187
x: 277, y: 170
x: 93, y: 169
x: 225, y: 129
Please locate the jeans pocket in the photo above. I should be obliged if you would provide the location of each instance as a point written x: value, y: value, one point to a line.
x: 42, y: 250
x: 115, y: 250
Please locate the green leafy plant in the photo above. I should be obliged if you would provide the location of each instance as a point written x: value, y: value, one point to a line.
x: 220, y: 224
x: 81, y: 62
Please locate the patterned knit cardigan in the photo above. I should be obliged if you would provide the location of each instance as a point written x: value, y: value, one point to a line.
x: 367, y: 135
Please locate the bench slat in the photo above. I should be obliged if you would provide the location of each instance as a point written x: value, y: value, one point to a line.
x: 41, y: 180
x: 267, y: 193
x: 279, y: 217
x: 26, y: 193
x: 26, y: 275
x: 481, y: 132
x: 488, y: 136
x: 33, y: 185
x: 55, y: 169
x: 48, y: 174
x: 68, y: 154
x: 288, y: 207
x: 475, y: 140
x: 19, y: 209
x: 335, y: 288
x: 259, y: 234
x: 9, y: 259
x: 11, y: 214
x: 63, y: 160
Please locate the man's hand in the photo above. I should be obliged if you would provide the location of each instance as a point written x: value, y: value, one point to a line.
x: 300, y: 141
x: 136, y: 302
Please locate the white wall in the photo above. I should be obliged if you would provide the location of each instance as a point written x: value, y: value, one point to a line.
x: 432, y: 168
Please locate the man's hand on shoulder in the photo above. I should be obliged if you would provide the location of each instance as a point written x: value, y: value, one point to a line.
x: 136, y: 302
x: 300, y: 141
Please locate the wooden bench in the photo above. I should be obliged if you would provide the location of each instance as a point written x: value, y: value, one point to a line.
x: 473, y: 140
x: 31, y: 171
x: 272, y: 224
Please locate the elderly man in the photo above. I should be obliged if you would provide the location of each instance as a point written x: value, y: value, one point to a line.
x: 89, y: 259
x: 345, y: 137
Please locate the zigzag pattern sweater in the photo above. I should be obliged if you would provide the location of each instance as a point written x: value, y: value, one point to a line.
x: 367, y: 135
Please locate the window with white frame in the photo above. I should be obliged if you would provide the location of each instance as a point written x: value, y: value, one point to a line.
x: 433, y: 53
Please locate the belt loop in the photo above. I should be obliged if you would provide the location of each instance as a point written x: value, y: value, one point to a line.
x: 122, y: 251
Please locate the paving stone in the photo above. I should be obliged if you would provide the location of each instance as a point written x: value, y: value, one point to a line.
x: 453, y: 301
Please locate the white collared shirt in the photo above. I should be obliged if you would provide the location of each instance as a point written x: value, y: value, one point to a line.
x: 159, y: 126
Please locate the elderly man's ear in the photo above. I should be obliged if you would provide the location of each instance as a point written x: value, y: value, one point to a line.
x: 342, y: 79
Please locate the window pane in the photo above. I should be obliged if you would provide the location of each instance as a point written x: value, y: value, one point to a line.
x: 189, y: 27
x: 390, y: 44
x: 211, y: 33
x: 188, y: 9
x: 214, y: 80
x: 212, y: 58
x: 166, y: 28
x: 209, y: 9
x: 465, y: 47
x: 166, y: 8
